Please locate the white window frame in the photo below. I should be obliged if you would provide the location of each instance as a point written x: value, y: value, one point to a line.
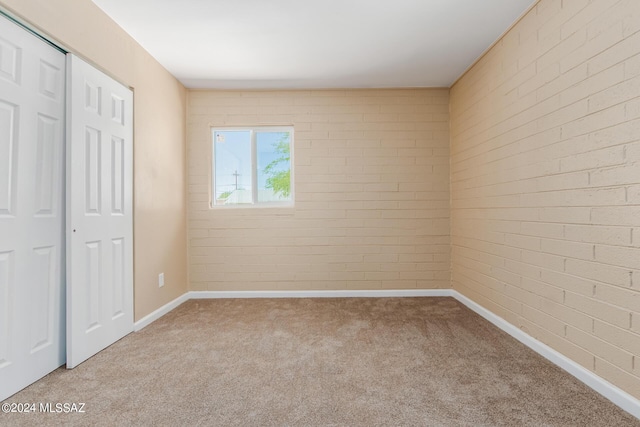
x: 254, y: 172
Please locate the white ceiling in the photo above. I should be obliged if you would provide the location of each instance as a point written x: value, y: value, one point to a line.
x: 273, y: 44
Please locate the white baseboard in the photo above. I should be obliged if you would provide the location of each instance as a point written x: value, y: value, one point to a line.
x: 323, y: 294
x: 152, y: 317
x: 605, y: 388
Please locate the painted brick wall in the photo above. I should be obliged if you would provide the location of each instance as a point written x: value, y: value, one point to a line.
x: 372, y: 193
x: 545, y: 182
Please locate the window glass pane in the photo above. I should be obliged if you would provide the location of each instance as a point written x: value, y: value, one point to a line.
x: 232, y: 153
x: 273, y: 152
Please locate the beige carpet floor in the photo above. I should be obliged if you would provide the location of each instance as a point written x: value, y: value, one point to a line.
x: 319, y: 362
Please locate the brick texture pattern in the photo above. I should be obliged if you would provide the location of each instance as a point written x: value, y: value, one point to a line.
x: 371, y: 193
x: 545, y: 182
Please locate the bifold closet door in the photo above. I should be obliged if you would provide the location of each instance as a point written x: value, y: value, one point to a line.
x: 32, y: 125
x: 99, y: 211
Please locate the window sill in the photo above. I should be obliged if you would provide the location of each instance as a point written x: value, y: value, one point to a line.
x: 260, y: 209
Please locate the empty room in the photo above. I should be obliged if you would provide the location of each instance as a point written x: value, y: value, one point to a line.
x: 320, y: 213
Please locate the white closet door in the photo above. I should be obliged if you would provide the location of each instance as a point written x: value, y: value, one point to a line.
x: 99, y: 211
x: 32, y: 108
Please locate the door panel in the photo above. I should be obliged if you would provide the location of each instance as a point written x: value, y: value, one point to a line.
x: 32, y: 117
x: 6, y: 296
x: 44, y: 290
x: 47, y: 150
x: 8, y: 155
x: 100, y: 216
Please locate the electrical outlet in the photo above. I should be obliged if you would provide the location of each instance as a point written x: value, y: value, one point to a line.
x: 160, y: 280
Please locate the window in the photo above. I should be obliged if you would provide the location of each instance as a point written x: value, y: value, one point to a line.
x: 252, y: 166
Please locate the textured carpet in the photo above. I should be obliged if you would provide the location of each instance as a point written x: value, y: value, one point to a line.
x: 319, y: 362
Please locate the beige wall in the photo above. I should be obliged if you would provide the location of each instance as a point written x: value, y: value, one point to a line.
x: 372, y: 193
x: 545, y: 174
x: 159, y: 138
